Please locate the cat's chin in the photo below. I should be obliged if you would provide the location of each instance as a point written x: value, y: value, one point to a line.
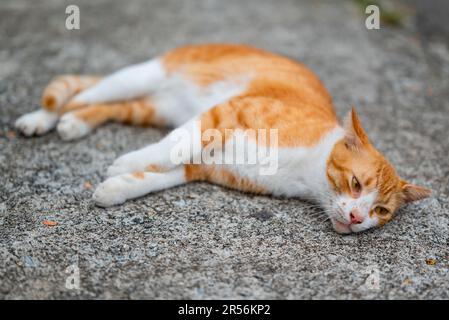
x: 340, y: 227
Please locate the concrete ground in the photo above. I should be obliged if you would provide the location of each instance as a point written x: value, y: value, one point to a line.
x: 202, y: 241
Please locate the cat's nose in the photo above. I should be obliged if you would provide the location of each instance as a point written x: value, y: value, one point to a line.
x: 356, y: 217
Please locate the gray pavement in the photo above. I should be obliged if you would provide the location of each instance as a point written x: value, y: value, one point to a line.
x: 202, y: 241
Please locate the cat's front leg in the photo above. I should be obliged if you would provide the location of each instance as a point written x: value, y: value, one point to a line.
x: 155, y: 157
x: 118, y: 189
x: 164, y: 154
x: 134, y: 161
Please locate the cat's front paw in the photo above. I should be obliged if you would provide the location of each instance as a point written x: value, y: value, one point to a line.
x: 36, y: 123
x: 71, y: 127
x: 109, y: 193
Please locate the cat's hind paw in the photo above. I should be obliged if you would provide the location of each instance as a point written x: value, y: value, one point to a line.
x: 36, y: 123
x: 70, y: 127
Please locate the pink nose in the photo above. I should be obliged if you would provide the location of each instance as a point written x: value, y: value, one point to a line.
x: 355, y: 216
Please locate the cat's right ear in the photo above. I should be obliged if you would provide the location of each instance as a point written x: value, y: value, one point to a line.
x: 355, y: 136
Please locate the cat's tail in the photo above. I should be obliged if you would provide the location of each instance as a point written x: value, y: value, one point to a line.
x: 62, y: 88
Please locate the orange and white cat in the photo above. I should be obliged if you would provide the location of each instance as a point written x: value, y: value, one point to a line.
x: 225, y: 87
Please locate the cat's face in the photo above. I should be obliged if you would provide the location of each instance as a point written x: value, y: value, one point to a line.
x: 366, y: 189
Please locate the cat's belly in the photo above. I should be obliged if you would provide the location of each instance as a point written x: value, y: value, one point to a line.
x: 178, y: 99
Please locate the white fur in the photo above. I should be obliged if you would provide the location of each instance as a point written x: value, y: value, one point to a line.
x: 342, y: 206
x: 70, y: 127
x: 177, y: 99
x: 37, y: 122
x: 128, y: 83
x: 301, y: 171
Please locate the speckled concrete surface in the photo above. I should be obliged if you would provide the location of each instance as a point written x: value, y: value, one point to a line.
x: 202, y: 241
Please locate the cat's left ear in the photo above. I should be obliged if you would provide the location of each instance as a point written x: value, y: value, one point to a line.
x: 413, y: 192
x: 355, y: 136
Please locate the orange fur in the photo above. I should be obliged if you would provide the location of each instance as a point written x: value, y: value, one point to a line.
x: 154, y: 168
x: 139, y: 112
x: 194, y: 172
x: 61, y: 89
x: 139, y: 175
x: 297, y: 124
x: 283, y: 93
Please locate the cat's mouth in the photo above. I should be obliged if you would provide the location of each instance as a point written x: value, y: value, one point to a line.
x: 343, y: 224
x: 344, y: 227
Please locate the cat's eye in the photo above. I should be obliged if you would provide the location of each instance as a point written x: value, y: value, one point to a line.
x: 381, y: 211
x: 355, y: 185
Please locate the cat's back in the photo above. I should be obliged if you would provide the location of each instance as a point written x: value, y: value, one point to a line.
x: 207, y: 63
x: 280, y: 92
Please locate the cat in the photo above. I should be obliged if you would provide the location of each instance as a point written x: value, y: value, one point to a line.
x: 229, y: 87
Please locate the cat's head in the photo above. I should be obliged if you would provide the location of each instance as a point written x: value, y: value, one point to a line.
x: 366, y: 188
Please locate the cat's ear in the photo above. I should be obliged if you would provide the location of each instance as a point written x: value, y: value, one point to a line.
x: 355, y: 136
x: 413, y: 192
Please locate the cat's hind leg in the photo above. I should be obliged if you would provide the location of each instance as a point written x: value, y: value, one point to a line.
x: 58, y: 92
x: 132, y: 82
x: 68, y: 93
x: 78, y: 123
x: 118, y: 189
